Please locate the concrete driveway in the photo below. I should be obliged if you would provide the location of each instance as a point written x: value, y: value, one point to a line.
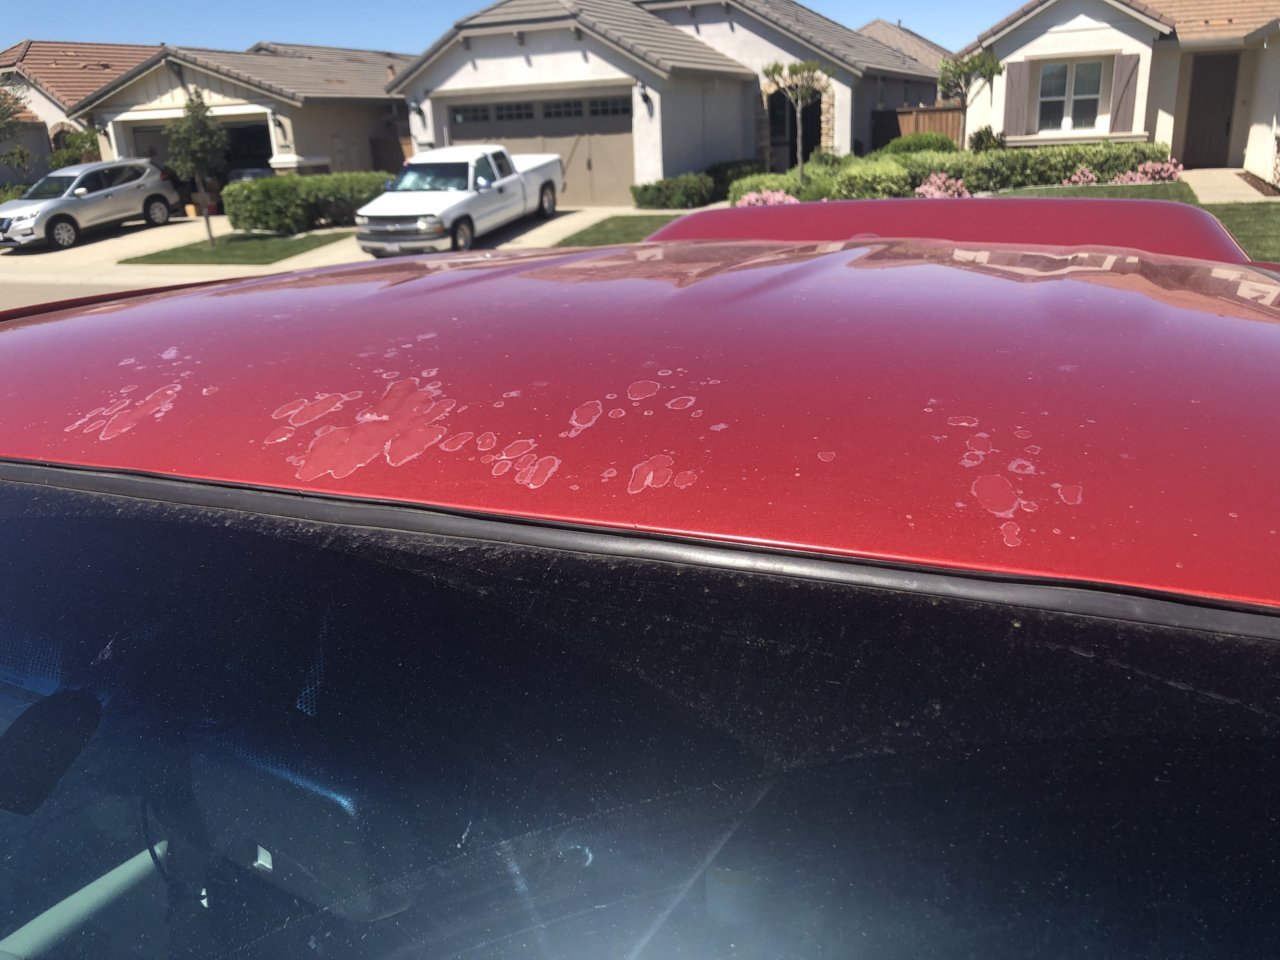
x: 93, y: 266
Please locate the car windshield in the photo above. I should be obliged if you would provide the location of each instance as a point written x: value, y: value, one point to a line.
x: 49, y: 188
x: 229, y: 732
x: 432, y: 176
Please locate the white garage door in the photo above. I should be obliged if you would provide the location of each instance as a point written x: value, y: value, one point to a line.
x: 592, y: 134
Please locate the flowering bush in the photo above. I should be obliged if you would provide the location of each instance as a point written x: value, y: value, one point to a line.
x: 766, y: 198
x: 1151, y: 172
x: 940, y: 186
x: 1083, y: 177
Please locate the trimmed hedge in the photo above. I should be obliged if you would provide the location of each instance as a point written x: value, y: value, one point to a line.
x: 985, y: 172
x: 293, y: 204
x: 873, y: 178
x: 723, y: 174
x: 919, y: 142
x: 674, y: 193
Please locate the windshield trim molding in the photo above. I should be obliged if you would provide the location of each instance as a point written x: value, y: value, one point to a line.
x: 1072, y: 597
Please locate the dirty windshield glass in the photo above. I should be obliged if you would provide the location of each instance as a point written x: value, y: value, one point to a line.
x: 49, y: 188
x: 432, y: 176
x: 229, y: 735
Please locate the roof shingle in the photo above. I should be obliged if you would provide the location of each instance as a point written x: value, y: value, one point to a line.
x: 908, y: 41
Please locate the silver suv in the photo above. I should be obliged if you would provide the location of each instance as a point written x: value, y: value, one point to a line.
x: 66, y: 202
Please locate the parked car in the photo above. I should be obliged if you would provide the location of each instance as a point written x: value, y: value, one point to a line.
x: 63, y: 204
x: 450, y: 196
x: 249, y: 173
x: 887, y: 579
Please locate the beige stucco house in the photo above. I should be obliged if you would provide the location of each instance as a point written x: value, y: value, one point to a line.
x: 629, y: 91
x: 287, y: 107
x: 1200, y: 75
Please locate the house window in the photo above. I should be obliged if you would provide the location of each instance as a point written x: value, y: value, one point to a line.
x: 1069, y: 94
x: 612, y: 107
x: 561, y: 108
x: 513, y: 111
x: 471, y: 114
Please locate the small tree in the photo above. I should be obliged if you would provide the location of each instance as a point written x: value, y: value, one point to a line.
x: 801, y: 82
x: 11, y: 107
x: 197, y: 147
x: 957, y: 75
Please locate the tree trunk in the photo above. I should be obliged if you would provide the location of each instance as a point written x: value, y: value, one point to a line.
x: 800, y: 141
x: 204, y: 208
x: 964, y: 120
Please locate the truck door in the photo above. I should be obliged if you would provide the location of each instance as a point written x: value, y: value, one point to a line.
x: 491, y: 200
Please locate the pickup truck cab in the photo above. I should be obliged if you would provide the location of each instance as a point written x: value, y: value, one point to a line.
x: 455, y: 194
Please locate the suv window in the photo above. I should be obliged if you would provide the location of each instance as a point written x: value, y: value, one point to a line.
x: 485, y: 169
x: 503, y: 164
x: 119, y: 176
x: 93, y: 182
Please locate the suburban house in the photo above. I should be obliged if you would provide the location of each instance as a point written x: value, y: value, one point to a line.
x: 286, y: 107
x: 629, y: 91
x: 49, y: 77
x: 1200, y: 75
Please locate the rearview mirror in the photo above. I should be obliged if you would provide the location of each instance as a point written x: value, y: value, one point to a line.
x: 80, y: 192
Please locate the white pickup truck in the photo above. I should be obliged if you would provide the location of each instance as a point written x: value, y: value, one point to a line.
x: 455, y: 194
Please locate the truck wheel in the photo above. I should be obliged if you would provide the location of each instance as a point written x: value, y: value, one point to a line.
x: 156, y: 211
x: 62, y: 233
x: 464, y: 235
x: 547, y: 201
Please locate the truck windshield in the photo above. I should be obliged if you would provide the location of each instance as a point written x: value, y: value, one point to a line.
x: 230, y: 734
x: 49, y: 188
x: 432, y: 176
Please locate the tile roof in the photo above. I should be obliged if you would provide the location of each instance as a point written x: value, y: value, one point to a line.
x: 293, y: 72
x: 1191, y: 20
x: 844, y: 45
x: 69, y: 72
x: 908, y: 41
x: 621, y: 23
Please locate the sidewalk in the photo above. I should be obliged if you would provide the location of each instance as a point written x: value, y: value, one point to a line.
x: 1223, y: 185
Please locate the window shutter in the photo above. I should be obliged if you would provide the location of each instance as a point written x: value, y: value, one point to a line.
x: 1124, y: 92
x: 1017, y: 80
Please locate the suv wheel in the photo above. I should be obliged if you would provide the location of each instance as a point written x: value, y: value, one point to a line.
x: 156, y: 212
x: 62, y: 233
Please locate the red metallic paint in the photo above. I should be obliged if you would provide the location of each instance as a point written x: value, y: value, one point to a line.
x: 1096, y: 416
x: 1174, y: 229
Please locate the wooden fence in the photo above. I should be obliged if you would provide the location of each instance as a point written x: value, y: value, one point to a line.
x: 887, y: 124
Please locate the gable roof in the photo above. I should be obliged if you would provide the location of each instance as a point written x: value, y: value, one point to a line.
x: 292, y: 72
x: 621, y: 24
x: 833, y: 41
x: 68, y: 72
x: 908, y: 41
x: 1194, y: 21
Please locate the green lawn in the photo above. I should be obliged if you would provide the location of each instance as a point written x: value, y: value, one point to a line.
x: 241, y: 248
x: 1256, y: 226
x: 1153, y: 191
x: 624, y: 229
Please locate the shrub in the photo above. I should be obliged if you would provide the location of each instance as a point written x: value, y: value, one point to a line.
x: 79, y: 146
x: 822, y: 159
x: 940, y: 186
x: 674, y: 193
x: 984, y: 139
x: 12, y: 191
x: 763, y: 183
x: 1150, y: 172
x: 292, y: 204
x: 873, y: 178
x: 919, y: 142
x: 767, y: 198
x: 723, y: 174
x: 1083, y: 177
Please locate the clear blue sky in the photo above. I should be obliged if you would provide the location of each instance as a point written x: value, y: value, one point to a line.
x: 406, y: 27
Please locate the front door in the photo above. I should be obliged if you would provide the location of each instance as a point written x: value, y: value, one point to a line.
x: 1209, y: 108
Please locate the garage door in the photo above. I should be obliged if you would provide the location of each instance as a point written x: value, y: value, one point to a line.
x: 592, y: 134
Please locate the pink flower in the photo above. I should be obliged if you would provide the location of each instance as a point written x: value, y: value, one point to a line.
x: 941, y: 186
x: 766, y: 198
